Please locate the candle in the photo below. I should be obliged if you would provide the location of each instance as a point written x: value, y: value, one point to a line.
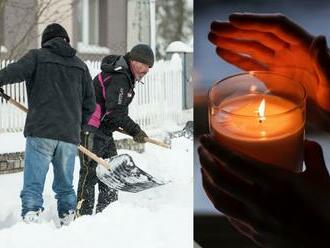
x: 266, y: 127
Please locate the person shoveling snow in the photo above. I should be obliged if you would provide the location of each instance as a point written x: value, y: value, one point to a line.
x: 60, y: 97
x: 114, y: 90
x: 123, y: 175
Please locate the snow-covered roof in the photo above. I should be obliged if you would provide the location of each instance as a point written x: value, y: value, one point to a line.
x: 178, y: 46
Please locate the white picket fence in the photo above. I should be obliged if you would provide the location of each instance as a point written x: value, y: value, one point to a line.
x: 157, y: 102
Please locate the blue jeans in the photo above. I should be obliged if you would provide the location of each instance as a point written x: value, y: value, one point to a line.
x: 39, y: 153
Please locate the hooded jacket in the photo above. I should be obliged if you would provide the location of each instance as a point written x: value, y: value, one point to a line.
x: 60, y: 93
x: 114, y: 89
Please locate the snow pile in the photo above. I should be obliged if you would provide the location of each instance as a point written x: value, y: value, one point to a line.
x: 155, y: 218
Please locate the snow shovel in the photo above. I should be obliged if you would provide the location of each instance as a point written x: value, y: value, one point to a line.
x: 120, y: 173
x: 149, y: 140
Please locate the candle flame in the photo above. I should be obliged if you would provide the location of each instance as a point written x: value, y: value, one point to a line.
x: 261, y: 110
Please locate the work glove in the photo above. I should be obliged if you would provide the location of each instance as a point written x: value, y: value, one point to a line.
x: 1, y: 92
x: 140, y: 137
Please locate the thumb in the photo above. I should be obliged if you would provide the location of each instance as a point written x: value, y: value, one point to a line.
x: 314, y: 161
x: 319, y: 50
x: 321, y: 54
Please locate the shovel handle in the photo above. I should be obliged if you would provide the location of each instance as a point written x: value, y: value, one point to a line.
x: 149, y: 140
x: 18, y: 105
x: 80, y: 147
x: 157, y: 142
x: 94, y: 156
x: 12, y: 101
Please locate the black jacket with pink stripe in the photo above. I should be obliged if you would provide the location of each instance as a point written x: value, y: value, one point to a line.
x: 114, y: 90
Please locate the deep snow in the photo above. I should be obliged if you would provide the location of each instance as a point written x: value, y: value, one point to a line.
x: 159, y: 217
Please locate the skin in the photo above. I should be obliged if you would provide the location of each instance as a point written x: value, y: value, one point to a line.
x: 255, y: 42
x: 139, y: 69
x: 272, y: 206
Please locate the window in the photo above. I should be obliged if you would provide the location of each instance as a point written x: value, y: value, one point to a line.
x: 3, y: 49
x: 88, y: 21
x: 2, y: 40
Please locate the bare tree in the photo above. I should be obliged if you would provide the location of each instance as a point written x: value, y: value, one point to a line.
x: 21, y: 26
x: 174, y: 22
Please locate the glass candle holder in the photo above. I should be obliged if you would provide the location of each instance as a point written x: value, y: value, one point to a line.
x: 261, y: 115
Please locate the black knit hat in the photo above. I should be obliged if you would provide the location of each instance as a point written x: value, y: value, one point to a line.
x: 142, y: 53
x: 54, y: 30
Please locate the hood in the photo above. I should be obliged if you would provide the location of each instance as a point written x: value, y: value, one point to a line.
x: 114, y: 63
x: 117, y: 63
x: 60, y: 47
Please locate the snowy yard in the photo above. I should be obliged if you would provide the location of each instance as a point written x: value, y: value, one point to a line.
x: 155, y: 218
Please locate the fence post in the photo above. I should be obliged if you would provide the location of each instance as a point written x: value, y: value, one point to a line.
x: 158, y: 100
x: 186, y: 54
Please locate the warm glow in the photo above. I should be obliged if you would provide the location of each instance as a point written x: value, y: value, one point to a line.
x: 253, y: 88
x: 261, y: 110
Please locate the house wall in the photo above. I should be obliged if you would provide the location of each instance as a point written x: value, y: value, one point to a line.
x: 138, y: 22
x: 122, y: 24
x: 116, y: 26
x: 59, y: 11
x: 19, y: 21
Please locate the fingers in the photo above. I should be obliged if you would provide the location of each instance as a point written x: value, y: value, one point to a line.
x: 228, y: 30
x: 243, y: 167
x: 277, y: 24
x: 320, y: 49
x: 224, y: 180
x: 253, y: 48
x: 241, y: 61
x: 244, y: 229
x: 314, y: 161
x: 224, y: 202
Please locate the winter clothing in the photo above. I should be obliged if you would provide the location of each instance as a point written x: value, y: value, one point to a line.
x: 104, y: 147
x: 67, y: 218
x: 140, y: 137
x: 61, y: 98
x: 114, y: 97
x: 60, y: 94
x: 39, y: 153
x: 114, y: 90
x: 32, y: 217
x: 52, y: 31
x: 142, y: 53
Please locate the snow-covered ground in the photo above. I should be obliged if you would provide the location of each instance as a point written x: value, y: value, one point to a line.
x: 155, y: 218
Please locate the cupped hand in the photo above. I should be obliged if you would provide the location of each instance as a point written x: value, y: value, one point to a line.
x: 272, y: 206
x: 273, y: 42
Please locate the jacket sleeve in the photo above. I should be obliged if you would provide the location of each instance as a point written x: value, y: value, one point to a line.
x: 22, y: 70
x: 89, y: 102
x: 116, y: 109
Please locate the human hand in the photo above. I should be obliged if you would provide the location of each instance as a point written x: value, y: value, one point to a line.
x: 273, y: 42
x: 140, y: 137
x: 4, y: 95
x: 272, y: 206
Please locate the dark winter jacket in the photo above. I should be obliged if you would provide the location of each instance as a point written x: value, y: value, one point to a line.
x: 114, y: 89
x: 61, y: 96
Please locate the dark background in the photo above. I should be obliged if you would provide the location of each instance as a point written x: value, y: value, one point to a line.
x: 210, y: 229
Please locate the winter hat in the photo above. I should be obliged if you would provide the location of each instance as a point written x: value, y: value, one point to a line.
x: 54, y: 30
x: 142, y: 53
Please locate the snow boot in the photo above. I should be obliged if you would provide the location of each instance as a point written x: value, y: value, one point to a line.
x: 67, y: 218
x: 32, y: 217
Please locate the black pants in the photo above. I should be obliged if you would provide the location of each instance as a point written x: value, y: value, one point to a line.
x: 103, y: 146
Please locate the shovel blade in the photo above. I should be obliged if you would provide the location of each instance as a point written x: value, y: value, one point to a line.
x: 124, y: 175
